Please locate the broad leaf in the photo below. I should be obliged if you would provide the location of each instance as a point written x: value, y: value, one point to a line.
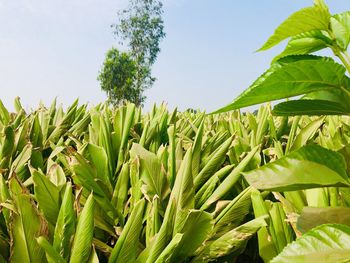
x: 306, y: 43
x: 314, y: 216
x: 309, y: 107
x: 304, y: 20
x: 308, y: 167
x: 340, y: 25
x: 291, y: 77
x: 326, y: 243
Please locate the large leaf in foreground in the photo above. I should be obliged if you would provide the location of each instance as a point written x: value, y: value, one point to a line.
x: 304, y: 20
x: 325, y: 244
x: 314, y: 216
x: 292, y: 77
x: 306, y: 43
x: 309, y: 107
x: 340, y: 25
x: 309, y: 167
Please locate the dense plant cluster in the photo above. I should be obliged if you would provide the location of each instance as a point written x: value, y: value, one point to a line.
x: 108, y: 184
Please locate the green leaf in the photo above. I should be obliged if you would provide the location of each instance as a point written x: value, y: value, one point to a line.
x: 172, y: 156
x: 19, y: 165
x: 153, y: 221
x: 292, y: 76
x: 233, y: 242
x: 267, y: 244
x: 326, y: 243
x: 299, y: 169
x: 47, y: 195
x: 4, y: 197
x: 8, y: 145
x: 304, y: 20
x: 234, y: 213
x: 306, y: 43
x: 126, y: 125
x: 85, y: 175
x: 183, y: 191
x: 99, y: 159
x: 210, y: 186
x: 4, y: 114
x: 231, y: 179
x: 93, y: 256
x: 168, y: 252
x: 65, y: 226
x: 196, y: 230
x: 311, y: 217
x: 164, y: 235
x: 151, y: 173
x: 196, y: 149
x: 52, y: 255
x: 26, y: 225
x: 306, y: 133
x: 340, y: 26
x: 57, y: 175
x: 309, y: 107
x: 120, y: 193
x: 82, y: 243
x: 125, y: 250
x: 217, y: 158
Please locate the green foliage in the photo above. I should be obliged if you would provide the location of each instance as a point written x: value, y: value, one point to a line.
x: 113, y: 184
x: 323, y: 83
x: 117, y: 185
x: 326, y: 243
x: 117, y: 77
x: 310, y: 182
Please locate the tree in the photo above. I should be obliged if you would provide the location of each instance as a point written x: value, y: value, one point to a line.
x: 141, y: 28
x: 117, y: 77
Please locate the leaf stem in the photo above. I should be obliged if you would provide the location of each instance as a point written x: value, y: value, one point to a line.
x: 344, y: 57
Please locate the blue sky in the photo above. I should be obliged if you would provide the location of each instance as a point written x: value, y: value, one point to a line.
x: 55, y: 48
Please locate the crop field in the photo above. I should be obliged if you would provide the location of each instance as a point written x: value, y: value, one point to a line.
x: 114, y: 183
x: 105, y: 184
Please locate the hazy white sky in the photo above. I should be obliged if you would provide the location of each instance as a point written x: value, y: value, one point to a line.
x: 55, y: 48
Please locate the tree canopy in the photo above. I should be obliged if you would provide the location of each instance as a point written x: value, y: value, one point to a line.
x: 140, y: 28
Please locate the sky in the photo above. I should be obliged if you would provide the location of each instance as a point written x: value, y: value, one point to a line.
x: 55, y: 48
